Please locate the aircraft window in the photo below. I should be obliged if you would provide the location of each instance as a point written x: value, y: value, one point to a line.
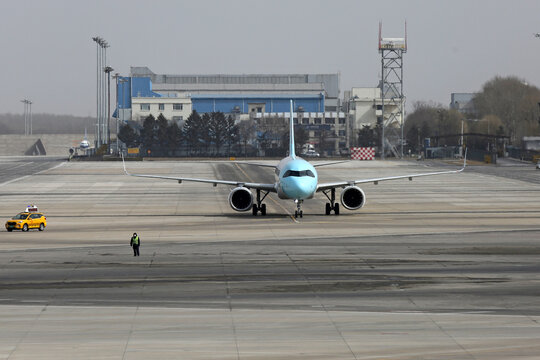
x: 298, y: 173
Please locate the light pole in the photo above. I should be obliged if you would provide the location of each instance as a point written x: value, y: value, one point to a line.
x: 121, y: 81
x: 117, y: 110
x: 98, y: 41
x: 30, y: 117
x: 101, y: 60
x: 25, y: 117
x: 108, y: 70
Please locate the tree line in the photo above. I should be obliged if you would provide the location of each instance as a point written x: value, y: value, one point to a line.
x: 212, y: 134
x: 209, y: 134
x: 503, y: 112
x: 43, y: 123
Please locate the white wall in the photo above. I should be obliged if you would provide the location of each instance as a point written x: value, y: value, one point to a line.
x: 168, y: 111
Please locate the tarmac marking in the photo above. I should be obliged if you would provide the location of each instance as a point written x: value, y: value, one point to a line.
x: 27, y: 176
x: 274, y: 201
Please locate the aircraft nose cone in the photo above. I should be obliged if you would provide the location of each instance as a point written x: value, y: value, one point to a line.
x: 299, y: 188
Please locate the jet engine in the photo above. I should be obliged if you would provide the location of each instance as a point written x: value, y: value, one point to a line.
x: 353, y: 198
x: 241, y: 199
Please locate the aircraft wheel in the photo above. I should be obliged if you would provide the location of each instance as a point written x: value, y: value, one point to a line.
x: 301, y: 213
x: 295, y: 214
x: 328, y: 209
x: 263, y: 209
x: 41, y: 227
x: 25, y: 227
x: 255, y: 209
x: 336, y: 209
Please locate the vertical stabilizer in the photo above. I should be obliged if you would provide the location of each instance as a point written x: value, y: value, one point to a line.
x: 291, y: 137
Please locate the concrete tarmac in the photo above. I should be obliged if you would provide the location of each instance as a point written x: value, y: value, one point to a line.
x: 441, y: 267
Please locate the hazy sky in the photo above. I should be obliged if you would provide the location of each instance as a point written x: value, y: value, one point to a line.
x: 48, y: 55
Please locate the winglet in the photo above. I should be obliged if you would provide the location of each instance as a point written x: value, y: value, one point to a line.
x: 124, y: 163
x: 291, y: 137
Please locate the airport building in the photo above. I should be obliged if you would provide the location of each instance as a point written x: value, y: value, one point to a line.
x: 253, y: 97
x: 463, y: 102
x: 364, y: 108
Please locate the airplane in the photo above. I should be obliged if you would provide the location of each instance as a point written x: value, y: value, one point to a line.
x: 297, y: 180
x: 84, y: 145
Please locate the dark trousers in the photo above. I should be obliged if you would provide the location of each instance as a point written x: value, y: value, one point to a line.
x: 135, y: 250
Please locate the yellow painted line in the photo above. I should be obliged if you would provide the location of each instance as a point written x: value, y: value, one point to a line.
x: 274, y: 201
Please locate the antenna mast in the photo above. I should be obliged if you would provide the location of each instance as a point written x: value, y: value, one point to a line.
x: 392, y: 99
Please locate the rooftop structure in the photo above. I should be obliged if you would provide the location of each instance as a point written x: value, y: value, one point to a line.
x: 245, y: 84
x: 463, y: 102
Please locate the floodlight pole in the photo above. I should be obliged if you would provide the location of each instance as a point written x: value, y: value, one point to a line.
x: 108, y: 70
x: 30, y: 117
x: 25, y: 122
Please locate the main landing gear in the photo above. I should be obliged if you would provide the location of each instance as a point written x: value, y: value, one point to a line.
x: 298, y: 212
x: 259, y: 206
x: 332, y: 205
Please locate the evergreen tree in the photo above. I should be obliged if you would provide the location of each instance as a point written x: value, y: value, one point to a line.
x: 128, y: 136
x: 366, y: 137
x: 217, y: 129
x: 162, y: 134
x: 231, y: 133
x: 190, y: 131
x: 203, y: 130
x: 148, y: 133
x: 174, y: 134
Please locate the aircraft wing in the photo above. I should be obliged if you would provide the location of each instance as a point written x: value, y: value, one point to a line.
x: 328, y: 163
x: 255, y: 164
x: 215, y: 182
x: 327, y: 186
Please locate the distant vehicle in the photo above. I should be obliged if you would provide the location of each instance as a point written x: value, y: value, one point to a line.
x: 311, y: 153
x: 27, y: 220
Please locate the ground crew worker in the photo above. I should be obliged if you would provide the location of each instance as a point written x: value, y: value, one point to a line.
x: 135, y: 243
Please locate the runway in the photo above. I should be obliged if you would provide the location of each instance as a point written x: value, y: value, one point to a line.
x: 441, y: 267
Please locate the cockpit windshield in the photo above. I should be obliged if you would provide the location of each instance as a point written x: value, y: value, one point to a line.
x: 300, y: 173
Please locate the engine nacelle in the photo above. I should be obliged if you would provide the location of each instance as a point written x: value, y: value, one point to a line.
x: 241, y: 199
x: 353, y: 198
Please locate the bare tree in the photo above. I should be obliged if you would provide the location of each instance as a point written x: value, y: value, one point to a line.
x: 514, y: 102
x: 246, y: 133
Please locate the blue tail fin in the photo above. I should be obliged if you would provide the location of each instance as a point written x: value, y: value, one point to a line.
x: 291, y: 137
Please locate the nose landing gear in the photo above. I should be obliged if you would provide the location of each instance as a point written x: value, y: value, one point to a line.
x: 298, y: 212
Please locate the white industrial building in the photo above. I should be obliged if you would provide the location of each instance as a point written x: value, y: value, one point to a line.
x: 176, y: 109
x: 364, y: 105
